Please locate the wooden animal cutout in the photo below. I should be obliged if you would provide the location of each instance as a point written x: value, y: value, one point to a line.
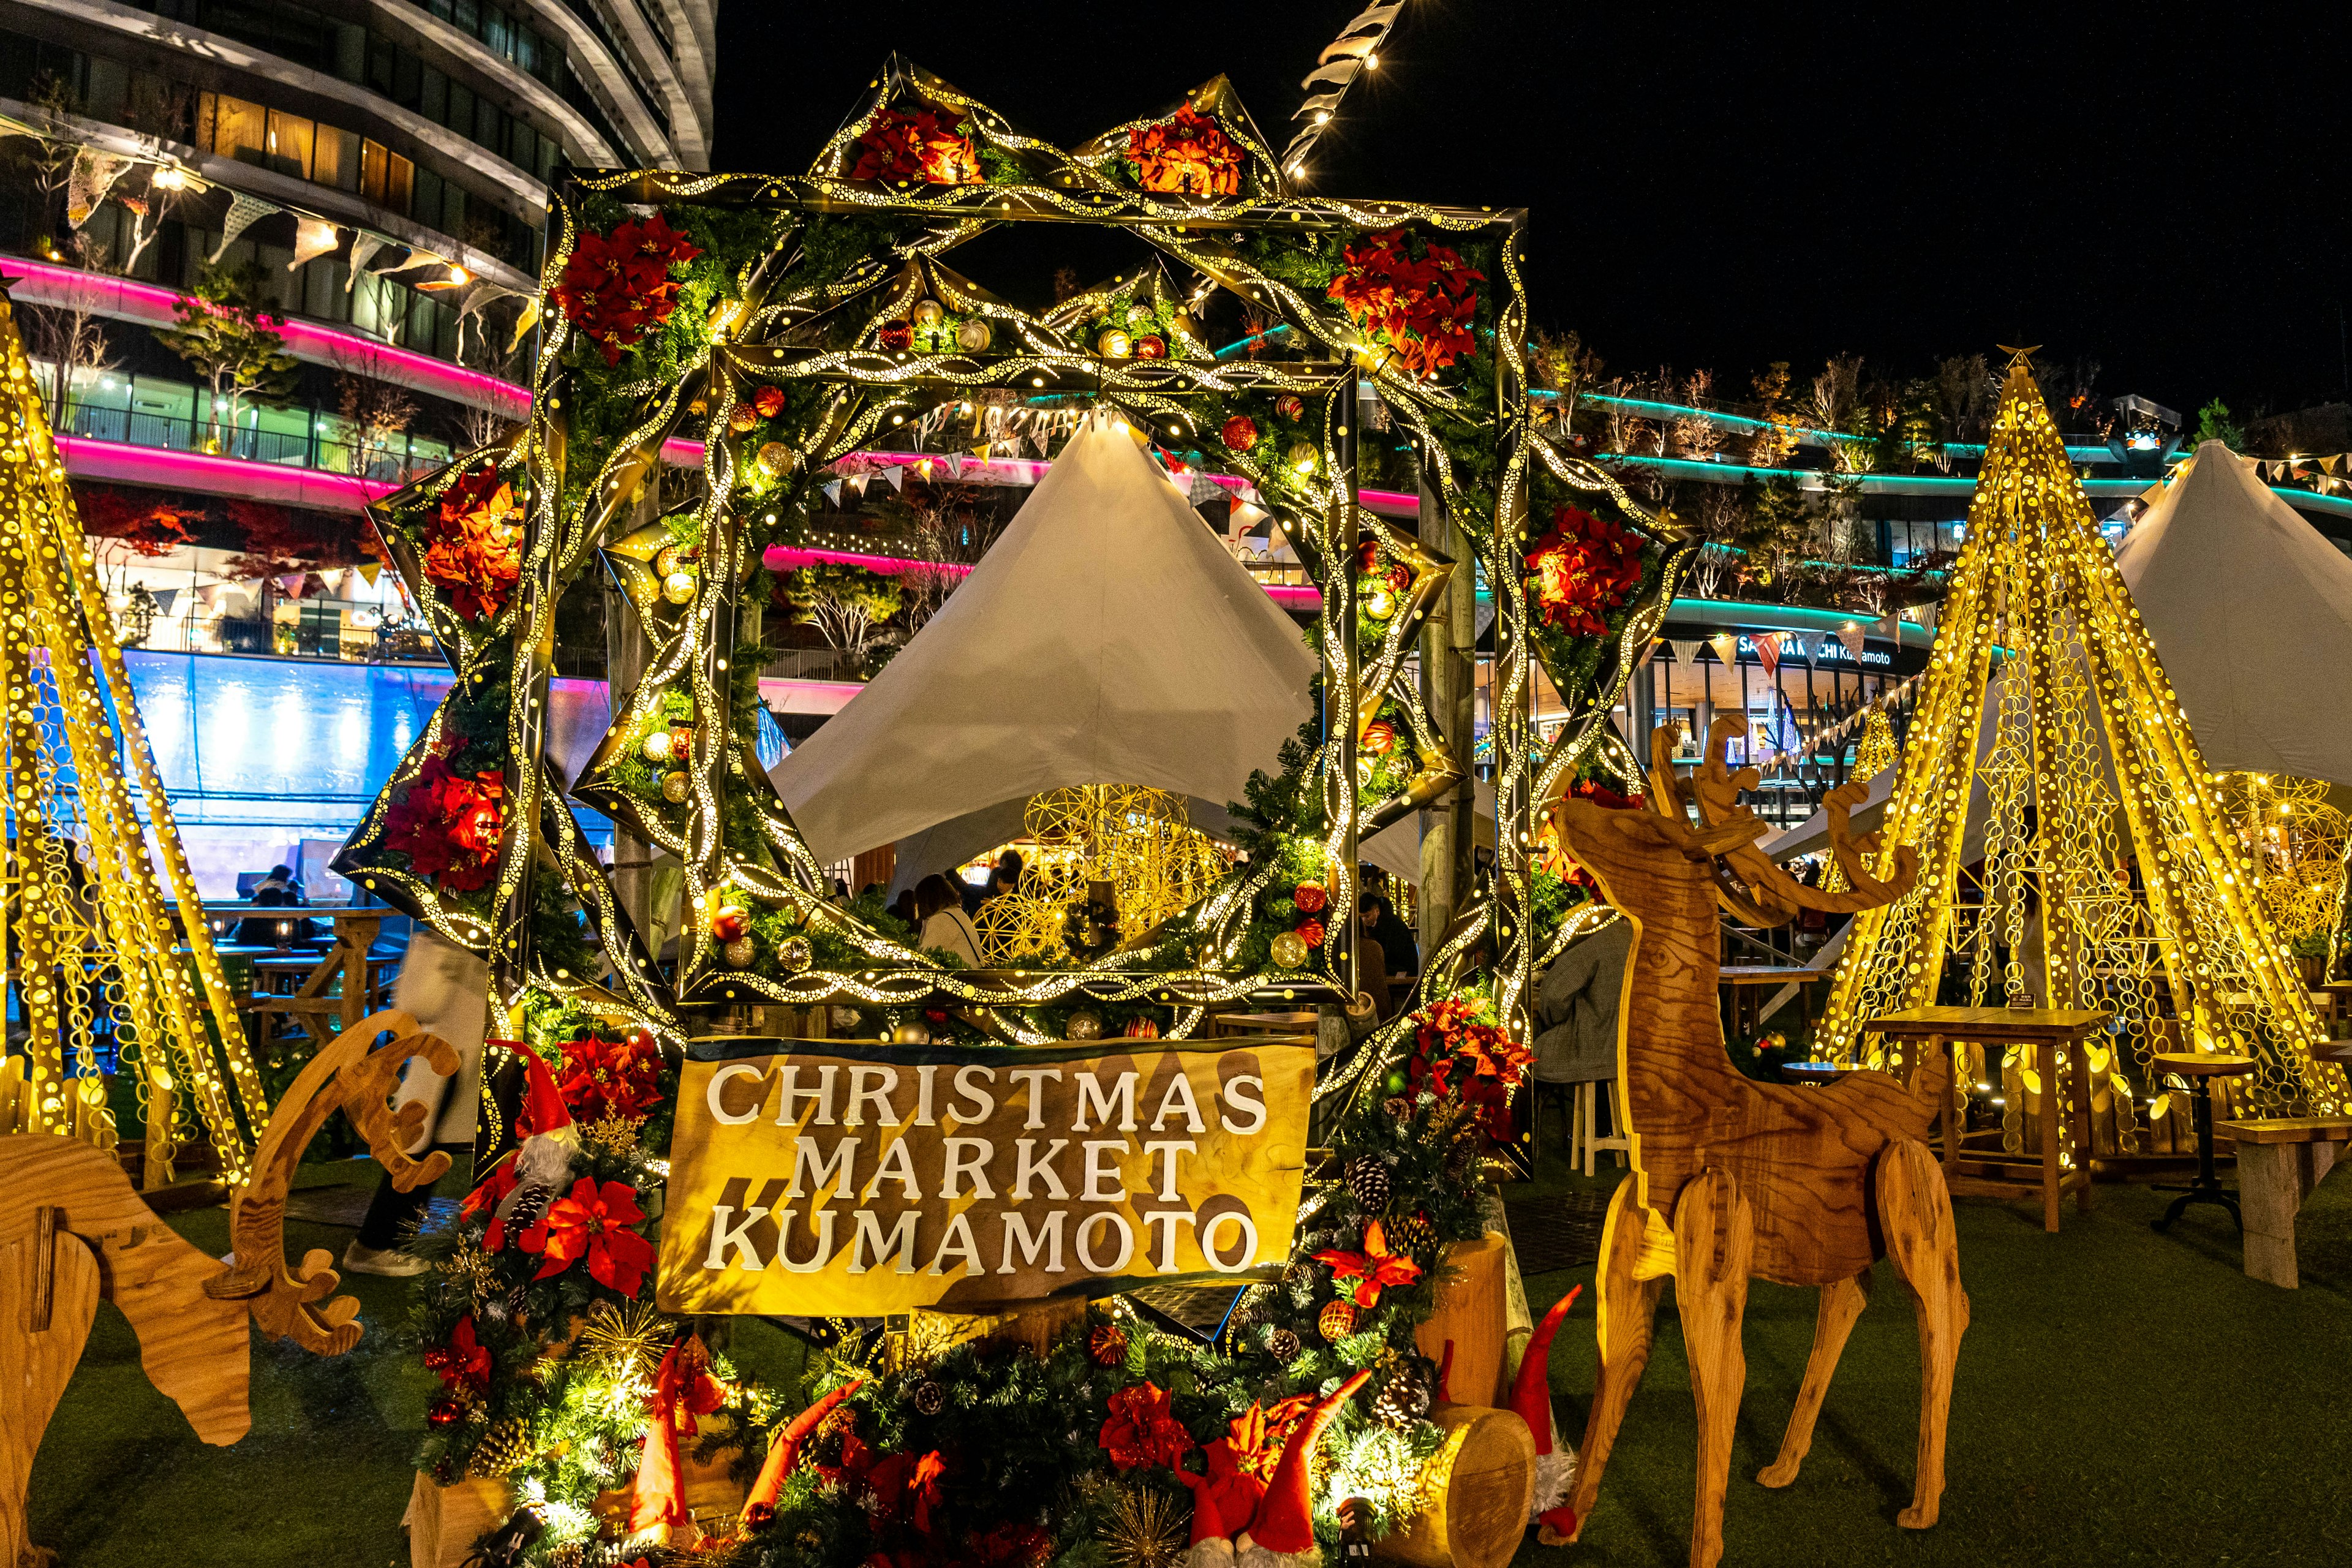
x: 1733, y: 1179
x: 73, y: 1232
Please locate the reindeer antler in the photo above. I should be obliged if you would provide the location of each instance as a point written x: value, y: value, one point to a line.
x: 362, y: 1082
x: 1764, y: 894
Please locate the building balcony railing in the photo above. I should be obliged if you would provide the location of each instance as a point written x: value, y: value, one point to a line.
x: 311, y: 450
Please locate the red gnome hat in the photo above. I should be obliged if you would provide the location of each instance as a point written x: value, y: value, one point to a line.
x: 1531, y: 1401
x: 1209, y: 1546
x: 785, y: 1451
x: 544, y: 1123
x: 1285, y: 1526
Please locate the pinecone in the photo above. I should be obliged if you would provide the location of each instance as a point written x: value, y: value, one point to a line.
x: 930, y: 1398
x: 1401, y: 1401
x: 1300, y: 1272
x: 505, y: 1446
x: 1367, y: 1182
x: 1414, y: 1234
x: 1283, y: 1345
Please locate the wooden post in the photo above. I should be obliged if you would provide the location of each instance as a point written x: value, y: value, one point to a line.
x: 1447, y: 641
x: 625, y: 669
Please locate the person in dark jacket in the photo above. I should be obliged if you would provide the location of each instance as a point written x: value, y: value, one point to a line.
x: 1397, y: 943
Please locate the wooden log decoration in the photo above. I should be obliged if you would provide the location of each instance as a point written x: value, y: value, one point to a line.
x: 1470, y: 1313
x: 1480, y: 1485
x: 73, y: 1231
x: 1733, y: 1178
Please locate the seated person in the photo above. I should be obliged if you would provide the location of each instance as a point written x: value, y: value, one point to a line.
x: 944, y: 924
x: 1397, y: 947
x: 1576, y: 1008
x: 279, y: 890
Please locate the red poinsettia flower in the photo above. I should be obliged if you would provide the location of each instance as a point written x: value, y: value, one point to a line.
x: 1580, y: 569
x: 616, y: 287
x: 484, y: 1199
x: 1012, y: 1545
x: 1188, y: 154
x: 473, y: 544
x: 916, y: 144
x: 463, y: 1365
x: 1458, y: 1051
x: 1422, y: 307
x: 904, y: 1486
x: 1142, y: 1431
x: 602, y: 1080
x: 450, y: 826
x: 592, y: 1223
x: 1242, y: 1461
x: 1373, y: 1269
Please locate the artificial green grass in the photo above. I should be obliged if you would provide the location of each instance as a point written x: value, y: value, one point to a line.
x: 2123, y: 1398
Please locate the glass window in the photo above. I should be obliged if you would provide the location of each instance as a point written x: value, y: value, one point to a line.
x: 335, y: 159
x: 428, y: 205
x: 397, y: 187
x: 289, y: 145
x: 489, y: 128
x: 350, y: 52
x: 240, y: 129
x: 460, y: 117
x: 433, y: 97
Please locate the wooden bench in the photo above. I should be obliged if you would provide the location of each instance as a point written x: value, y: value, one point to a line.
x: 2280, y: 1160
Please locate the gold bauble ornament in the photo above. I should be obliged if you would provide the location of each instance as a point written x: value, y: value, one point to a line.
x: 913, y: 1032
x: 656, y: 745
x: 1289, y: 949
x: 674, y: 788
x: 927, y: 313
x: 668, y: 559
x: 1114, y: 345
x: 739, y: 953
x: 678, y: 587
x: 1336, y: 1322
x: 795, y: 954
x: 974, y: 335
x: 1139, y: 315
x: 844, y: 1019
x: 1379, y: 603
x: 1085, y: 1024
x: 776, y: 458
x: 1304, y: 457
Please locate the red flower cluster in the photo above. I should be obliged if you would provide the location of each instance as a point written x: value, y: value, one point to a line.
x: 1422, y: 308
x: 463, y: 1365
x: 594, y: 1222
x: 919, y: 144
x: 473, y: 544
x: 1242, y: 1461
x: 1456, y: 1051
x: 617, y: 288
x: 484, y: 1199
x: 609, y: 1080
x: 1556, y: 859
x: 1142, y: 1431
x: 1188, y: 155
x: 1012, y: 1546
x: 1581, y: 569
x: 448, y: 826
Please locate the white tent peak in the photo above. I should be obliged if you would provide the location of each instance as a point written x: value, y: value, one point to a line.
x: 2245, y: 601
x: 1106, y: 637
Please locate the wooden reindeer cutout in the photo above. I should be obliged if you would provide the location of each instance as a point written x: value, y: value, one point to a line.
x: 73, y: 1231
x: 1733, y: 1179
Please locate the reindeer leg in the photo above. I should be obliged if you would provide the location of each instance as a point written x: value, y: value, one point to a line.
x: 1841, y: 1302
x: 44, y: 1271
x: 1625, y: 1308
x: 1914, y: 1210
x: 1715, y: 1238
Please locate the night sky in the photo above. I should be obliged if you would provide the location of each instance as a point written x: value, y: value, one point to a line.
x: 2159, y: 189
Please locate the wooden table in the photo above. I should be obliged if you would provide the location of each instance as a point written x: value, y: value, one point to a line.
x: 2201, y: 1069
x: 2339, y: 997
x: 1745, y: 1007
x: 2043, y: 1031
x: 1814, y: 1072
x: 343, y: 984
x: 1263, y: 1023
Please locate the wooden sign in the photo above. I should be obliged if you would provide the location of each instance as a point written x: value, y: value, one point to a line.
x: 826, y: 1178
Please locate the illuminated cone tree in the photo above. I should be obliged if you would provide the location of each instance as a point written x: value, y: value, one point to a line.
x: 88, y: 939
x: 2045, y: 705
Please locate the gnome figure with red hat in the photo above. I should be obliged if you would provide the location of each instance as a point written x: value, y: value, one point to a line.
x: 542, y: 1165
x: 1555, y: 1522
x: 1283, y: 1533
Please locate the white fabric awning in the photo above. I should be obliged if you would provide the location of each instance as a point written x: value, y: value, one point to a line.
x: 1107, y: 638
x: 2251, y: 613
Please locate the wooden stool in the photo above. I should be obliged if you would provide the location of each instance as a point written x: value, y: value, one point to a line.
x: 1582, y: 1132
x: 2280, y: 1160
x: 2201, y: 1069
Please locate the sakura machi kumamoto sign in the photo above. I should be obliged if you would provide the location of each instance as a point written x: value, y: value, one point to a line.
x: 819, y: 1178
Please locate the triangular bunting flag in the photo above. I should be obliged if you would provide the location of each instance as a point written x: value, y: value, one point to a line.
x: 1768, y: 650
x: 1888, y: 627
x: 1727, y: 648
x: 164, y: 599
x: 1686, y: 653
x: 313, y: 237
x: 897, y: 478
x: 243, y: 212
x: 290, y: 585
x: 833, y: 492
x: 363, y: 248
x: 1851, y: 636
x: 93, y: 175
x: 370, y: 572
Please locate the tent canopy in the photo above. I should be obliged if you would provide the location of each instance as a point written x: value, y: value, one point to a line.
x: 2251, y: 613
x: 1107, y: 638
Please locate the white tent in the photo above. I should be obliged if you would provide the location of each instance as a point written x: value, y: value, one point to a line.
x: 2251, y: 613
x: 1107, y: 638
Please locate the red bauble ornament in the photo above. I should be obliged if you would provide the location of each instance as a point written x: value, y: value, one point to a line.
x: 769, y: 401
x: 1239, y: 433
x: 445, y: 1412
x: 1310, y: 897
x: 730, y: 923
x: 1379, y: 738
x: 895, y: 335
x: 1290, y: 407
x: 1141, y: 1030
x: 1149, y: 347
x: 1400, y: 577
x: 1311, y: 932
x: 1106, y: 1345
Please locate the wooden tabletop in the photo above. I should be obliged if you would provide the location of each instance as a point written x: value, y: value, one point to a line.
x: 1768, y: 974
x: 1269, y: 1020
x: 1982, y: 1023
x: 2285, y: 1130
x: 2203, y: 1064
x: 1814, y: 1072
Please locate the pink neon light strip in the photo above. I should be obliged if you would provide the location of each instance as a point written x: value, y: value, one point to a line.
x: 88, y: 458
